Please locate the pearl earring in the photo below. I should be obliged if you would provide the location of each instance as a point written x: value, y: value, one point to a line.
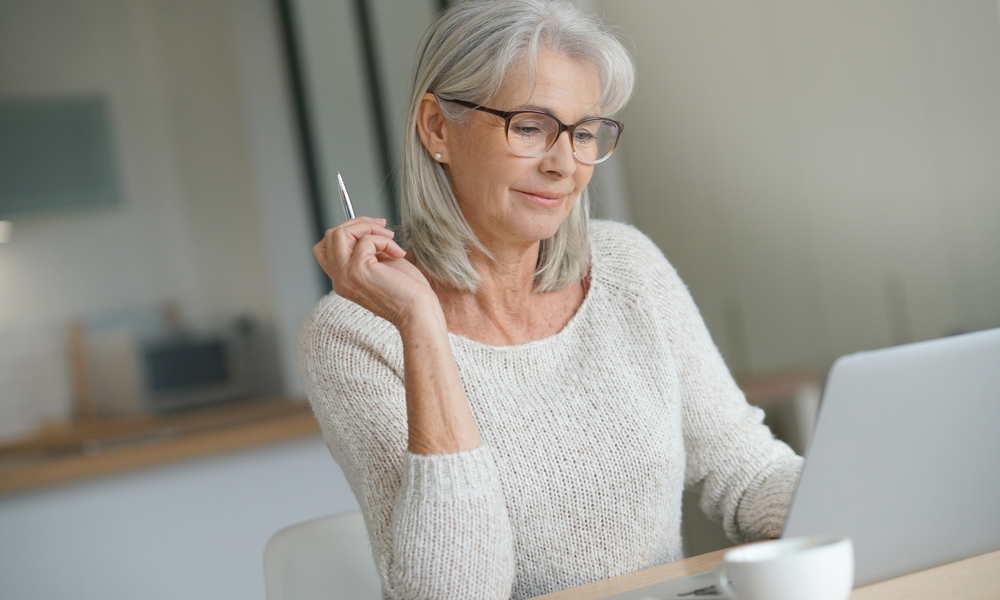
x: 437, y: 156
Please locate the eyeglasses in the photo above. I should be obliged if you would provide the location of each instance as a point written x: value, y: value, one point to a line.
x: 532, y: 133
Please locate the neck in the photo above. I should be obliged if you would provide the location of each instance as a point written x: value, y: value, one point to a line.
x: 506, y: 283
x: 506, y: 310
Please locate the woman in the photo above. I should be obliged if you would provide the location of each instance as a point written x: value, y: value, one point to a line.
x: 519, y: 399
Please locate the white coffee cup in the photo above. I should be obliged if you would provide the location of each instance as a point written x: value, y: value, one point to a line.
x: 817, y: 568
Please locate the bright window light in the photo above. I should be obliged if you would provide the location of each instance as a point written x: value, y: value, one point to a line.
x: 5, y: 227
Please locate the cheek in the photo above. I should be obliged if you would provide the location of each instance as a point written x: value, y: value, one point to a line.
x: 583, y: 175
x: 478, y: 167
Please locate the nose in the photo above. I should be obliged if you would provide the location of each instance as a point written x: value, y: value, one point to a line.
x: 559, y: 159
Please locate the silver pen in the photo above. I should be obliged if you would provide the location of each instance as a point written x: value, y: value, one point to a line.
x: 348, y: 207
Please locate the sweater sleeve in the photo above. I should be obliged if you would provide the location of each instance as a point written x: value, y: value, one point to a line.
x: 745, y: 476
x: 438, y: 524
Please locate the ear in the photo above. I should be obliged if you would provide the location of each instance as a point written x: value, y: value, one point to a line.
x: 433, y: 127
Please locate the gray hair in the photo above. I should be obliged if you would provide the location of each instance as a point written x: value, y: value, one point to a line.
x: 467, y: 54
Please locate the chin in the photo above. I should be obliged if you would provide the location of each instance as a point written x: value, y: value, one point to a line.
x: 540, y: 229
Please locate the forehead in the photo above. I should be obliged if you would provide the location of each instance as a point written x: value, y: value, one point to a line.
x: 568, y: 88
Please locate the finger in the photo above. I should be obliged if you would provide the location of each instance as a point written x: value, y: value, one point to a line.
x: 391, y: 254
x: 342, y: 241
x: 371, y: 246
x: 374, y: 229
x: 376, y: 220
x: 394, y: 250
x: 360, y: 229
x: 390, y: 248
x: 319, y: 252
x: 362, y: 225
x: 336, y: 248
x: 375, y: 243
x: 344, y: 252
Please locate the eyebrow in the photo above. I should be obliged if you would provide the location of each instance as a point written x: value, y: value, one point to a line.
x: 548, y: 110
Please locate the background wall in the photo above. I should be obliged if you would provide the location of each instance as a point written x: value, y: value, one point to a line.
x: 188, y: 229
x: 214, y: 217
x: 823, y: 176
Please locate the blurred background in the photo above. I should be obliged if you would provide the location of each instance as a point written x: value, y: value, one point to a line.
x: 824, y: 176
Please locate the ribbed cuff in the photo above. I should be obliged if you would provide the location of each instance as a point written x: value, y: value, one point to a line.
x: 449, y: 477
x: 763, y: 511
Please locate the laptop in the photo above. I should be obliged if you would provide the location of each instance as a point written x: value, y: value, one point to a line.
x: 905, y: 461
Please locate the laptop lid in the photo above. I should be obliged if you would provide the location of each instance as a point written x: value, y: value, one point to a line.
x: 905, y: 459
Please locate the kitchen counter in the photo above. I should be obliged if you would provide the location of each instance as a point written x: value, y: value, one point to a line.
x: 83, y: 450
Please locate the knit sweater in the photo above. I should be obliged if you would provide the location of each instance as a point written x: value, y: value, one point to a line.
x: 589, y: 438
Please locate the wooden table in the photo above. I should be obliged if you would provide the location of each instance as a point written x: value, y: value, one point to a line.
x: 976, y: 578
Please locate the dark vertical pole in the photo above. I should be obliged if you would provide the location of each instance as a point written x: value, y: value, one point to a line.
x: 314, y: 186
x: 373, y: 75
x: 442, y: 5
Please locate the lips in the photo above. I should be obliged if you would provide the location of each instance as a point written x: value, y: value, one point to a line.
x: 544, y: 198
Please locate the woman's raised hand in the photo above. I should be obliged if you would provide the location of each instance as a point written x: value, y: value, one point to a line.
x: 368, y: 268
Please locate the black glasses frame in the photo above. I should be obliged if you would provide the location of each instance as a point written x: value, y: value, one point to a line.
x: 507, y: 115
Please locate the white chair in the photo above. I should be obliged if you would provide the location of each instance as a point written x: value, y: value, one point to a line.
x: 327, y: 558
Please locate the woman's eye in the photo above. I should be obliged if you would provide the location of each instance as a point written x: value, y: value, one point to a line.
x: 526, y: 129
x: 581, y: 138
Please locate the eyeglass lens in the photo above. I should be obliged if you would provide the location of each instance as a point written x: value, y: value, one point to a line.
x: 532, y: 134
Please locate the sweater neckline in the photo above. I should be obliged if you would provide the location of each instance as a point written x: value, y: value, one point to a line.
x: 550, y: 339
